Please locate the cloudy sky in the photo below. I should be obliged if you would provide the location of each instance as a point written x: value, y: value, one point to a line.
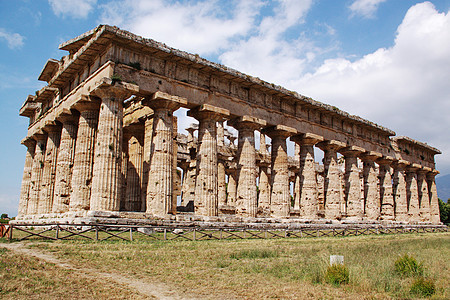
x: 385, y: 60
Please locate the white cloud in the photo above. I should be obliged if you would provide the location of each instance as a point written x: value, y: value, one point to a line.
x: 14, y: 40
x: 202, y: 27
x: 78, y: 9
x: 365, y: 8
x: 405, y: 88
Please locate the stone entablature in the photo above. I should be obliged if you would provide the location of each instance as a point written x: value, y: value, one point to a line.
x: 113, y: 97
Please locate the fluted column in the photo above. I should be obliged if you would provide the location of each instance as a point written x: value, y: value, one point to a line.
x: 26, y: 178
x: 354, y: 203
x: 106, y: 172
x: 65, y: 160
x: 400, y: 194
x: 36, y: 173
x: 221, y: 181
x: 386, y: 190
x: 246, y: 198
x: 232, y: 186
x: 280, y: 198
x: 124, y: 169
x: 134, y: 168
x: 206, y: 200
x: 434, y: 203
x: 332, y: 184
x: 189, y: 183
x: 296, y: 177
x: 424, y: 197
x: 148, y: 136
x: 264, y: 187
x: 160, y: 186
x: 308, y: 194
x: 84, y: 156
x: 412, y: 193
x: 372, y: 204
x: 48, y: 174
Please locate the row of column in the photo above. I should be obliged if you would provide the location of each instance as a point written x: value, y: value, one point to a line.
x: 82, y: 165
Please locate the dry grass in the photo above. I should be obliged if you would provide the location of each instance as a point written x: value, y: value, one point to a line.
x: 264, y: 269
x: 24, y: 277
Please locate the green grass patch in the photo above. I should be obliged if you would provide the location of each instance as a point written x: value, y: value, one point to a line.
x: 407, y: 265
x: 254, y: 254
x: 337, y: 274
x: 423, y: 287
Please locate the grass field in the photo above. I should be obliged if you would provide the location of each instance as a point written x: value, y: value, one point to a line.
x: 251, y: 269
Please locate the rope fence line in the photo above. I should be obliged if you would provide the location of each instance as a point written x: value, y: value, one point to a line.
x: 102, y: 232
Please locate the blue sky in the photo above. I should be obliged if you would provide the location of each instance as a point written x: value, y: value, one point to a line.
x: 385, y: 60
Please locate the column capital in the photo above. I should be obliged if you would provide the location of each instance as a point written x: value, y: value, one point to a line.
x: 65, y: 115
x: 247, y: 122
x: 371, y: 156
x: 413, y: 168
x: 160, y: 100
x: 385, y: 160
x: 39, y: 136
x: 307, y: 139
x: 208, y: 111
x: 401, y: 164
x: 28, y: 142
x: 279, y: 131
x: 332, y: 145
x: 87, y: 103
x: 108, y: 88
x: 351, y: 151
x: 424, y: 170
x: 433, y: 173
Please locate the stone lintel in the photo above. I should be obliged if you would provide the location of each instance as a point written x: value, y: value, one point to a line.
x: 352, y: 151
x: 247, y: 122
x: 425, y: 170
x: 279, y: 130
x: 164, y: 100
x: 331, y: 145
x: 28, y: 109
x: 371, y: 156
x: 208, y: 111
x: 385, y: 160
x: 306, y: 139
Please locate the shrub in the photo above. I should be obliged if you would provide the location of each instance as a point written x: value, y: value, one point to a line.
x: 337, y: 274
x: 408, y: 266
x: 423, y: 287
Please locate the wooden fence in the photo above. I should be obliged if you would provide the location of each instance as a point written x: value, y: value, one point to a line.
x: 103, y: 232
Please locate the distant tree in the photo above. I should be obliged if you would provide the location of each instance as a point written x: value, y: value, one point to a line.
x: 4, y: 216
x: 444, y: 209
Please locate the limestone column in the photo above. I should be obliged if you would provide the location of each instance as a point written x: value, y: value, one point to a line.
x: 161, y: 180
x: 372, y: 204
x: 264, y: 186
x: 148, y: 134
x: 206, y: 200
x: 84, y: 155
x: 189, y: 193
x: 220, y: 134
x: 246, y: 196
x: 36, y: 173
x: 400, y: 194
x: 297, y: 177
x: 65, y: 162
x: 412, y: 193
x: 386, y: 190
x: 134, y: 168
x: 332, y: 184
x: 354, y: 203
x: 221, y: 180
x: 308, y: 198
x: 424, y: 197
x: 434, y: 203
x: 48, y: 174
x: 280, y: 198
x: 26, y: 178
x: 106, y: 172
x: 124, y: 168
x: 232, y: 186
x: 262, y: 144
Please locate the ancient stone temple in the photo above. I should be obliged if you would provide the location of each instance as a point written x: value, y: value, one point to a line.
x: 103, y: 143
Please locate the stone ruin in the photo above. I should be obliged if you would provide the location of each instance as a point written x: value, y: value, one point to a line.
x: 102, y: 146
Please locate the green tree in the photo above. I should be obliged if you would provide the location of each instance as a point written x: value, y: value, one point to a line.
x: 4, y: 216
x: 444, y: 209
